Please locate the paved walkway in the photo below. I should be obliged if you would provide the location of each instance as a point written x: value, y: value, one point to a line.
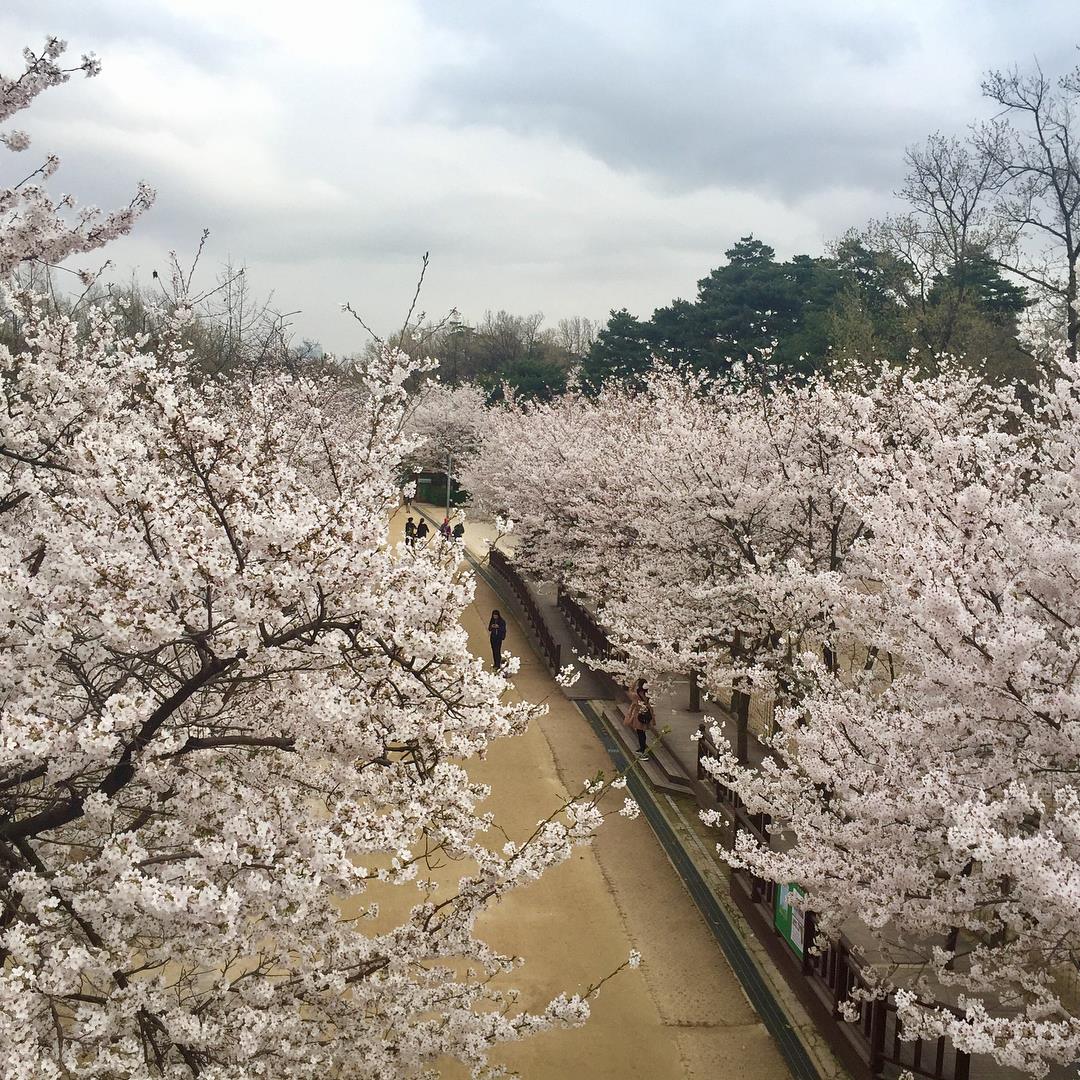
x: 678, y: 755
x: 590, y: 685
x: 674, y: 759
x: 683, y: 1013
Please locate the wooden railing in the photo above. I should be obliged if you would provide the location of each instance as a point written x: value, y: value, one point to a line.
x: 551, y: 648
x: 830, y: 970
x: 835, y: 973
x: 597, y: 644
x: 725, y: 797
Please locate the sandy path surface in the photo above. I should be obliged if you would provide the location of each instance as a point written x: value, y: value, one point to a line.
x: 682, y: 1014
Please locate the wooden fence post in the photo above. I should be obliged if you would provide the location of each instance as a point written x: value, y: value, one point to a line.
x: 808, y: 941
x: 740, y: 700
x: 840, y: 986
x: 695, y: 692
x: 962, y: 1070
x: 877, y: 1035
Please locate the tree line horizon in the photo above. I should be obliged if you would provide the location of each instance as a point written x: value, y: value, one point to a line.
x: 980, y: 263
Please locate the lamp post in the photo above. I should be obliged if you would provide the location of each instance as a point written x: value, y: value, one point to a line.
x: 449, y: 463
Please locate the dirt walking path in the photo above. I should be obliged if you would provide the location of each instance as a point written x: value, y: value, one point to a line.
x: 682, y: 1014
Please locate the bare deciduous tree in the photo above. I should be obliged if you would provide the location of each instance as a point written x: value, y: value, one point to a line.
x: 1034, y: 150
x: 1009, y: 191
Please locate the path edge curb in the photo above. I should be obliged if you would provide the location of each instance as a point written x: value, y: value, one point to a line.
x: 761, y: 998
x: 772, y: 1013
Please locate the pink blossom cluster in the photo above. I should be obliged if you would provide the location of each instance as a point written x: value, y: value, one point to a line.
x: 238, y: 837
x: 34, y: 226
x: 894, y: 558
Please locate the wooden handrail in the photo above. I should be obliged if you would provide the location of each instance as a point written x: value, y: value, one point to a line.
x: 836, y: 969
x: 551, y: 648
x: 586, y: 627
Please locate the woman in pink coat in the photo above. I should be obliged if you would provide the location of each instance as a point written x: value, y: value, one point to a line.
x: 640, y: 715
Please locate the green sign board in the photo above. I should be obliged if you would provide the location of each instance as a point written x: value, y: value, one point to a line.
x: 789, y: 917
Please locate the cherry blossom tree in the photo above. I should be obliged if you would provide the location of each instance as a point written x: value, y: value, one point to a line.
x: 692, y: 506
x: 237, y: 833
x: 34, y: 226
x: 898, y: 556
x: 537, y: 465
x: 939, y: 811
x: 447, y: 422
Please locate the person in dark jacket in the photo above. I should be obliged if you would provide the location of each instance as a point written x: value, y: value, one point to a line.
x: 497, y: 634
x: 410, y: 532
x: 422, y: 531
x: 459, y: 530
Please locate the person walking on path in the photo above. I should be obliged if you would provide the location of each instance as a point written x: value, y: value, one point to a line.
x: 639, y: 716
x: 459, y: 530
x: 497, y: 634
x: 410, y: 533
x: 421, y: 531
x: 444, y: 528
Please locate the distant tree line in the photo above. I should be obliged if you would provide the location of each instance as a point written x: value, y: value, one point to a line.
x: 504, y: 351
x: 983, y: 260
x: 229, y: 331
x: 807, y: 314
x: 990, y: 238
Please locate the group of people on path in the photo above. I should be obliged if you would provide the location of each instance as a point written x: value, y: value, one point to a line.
x: 415, y: 534
x: 640, y: 717
x: 419, y: 533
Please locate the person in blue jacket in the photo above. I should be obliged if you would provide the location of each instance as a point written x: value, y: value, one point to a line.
x: 497, y: 634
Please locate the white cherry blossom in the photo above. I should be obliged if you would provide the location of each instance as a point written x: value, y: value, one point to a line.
x: 238, y: 836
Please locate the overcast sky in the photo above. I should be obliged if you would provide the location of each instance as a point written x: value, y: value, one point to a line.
x: 564, y: 157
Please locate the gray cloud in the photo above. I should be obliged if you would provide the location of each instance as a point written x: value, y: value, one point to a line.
x: 703, y: 102
x: 553, y: 155
x: 121, y: 23
x: 790, y: 98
